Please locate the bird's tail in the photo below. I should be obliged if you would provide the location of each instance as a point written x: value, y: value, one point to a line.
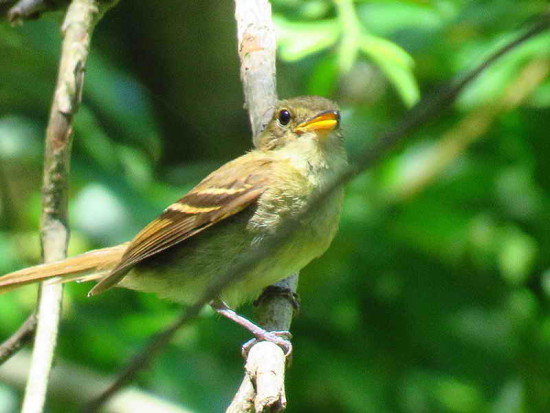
x: 92, y: 265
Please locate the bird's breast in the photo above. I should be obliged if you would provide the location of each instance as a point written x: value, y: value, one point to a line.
x: 183, y: 272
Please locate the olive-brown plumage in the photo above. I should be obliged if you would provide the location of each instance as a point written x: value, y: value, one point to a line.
x: 201, y: 235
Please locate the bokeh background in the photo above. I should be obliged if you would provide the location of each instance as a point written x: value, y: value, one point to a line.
x: 434, y: 297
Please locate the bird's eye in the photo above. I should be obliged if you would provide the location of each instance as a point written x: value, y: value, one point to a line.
x: 284, y: 117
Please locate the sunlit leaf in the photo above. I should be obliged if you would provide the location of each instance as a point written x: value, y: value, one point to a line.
x: 348, y: 51
x: 396, y: 65
x: 298, y: 40
x: 374, y: 45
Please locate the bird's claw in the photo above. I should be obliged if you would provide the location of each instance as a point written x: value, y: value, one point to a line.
x: 281, y: 338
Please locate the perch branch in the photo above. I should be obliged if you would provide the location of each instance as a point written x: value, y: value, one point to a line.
x: 262, y: 387
x: 80, y: 19
x: 257, y: 46
x: 423, y: 112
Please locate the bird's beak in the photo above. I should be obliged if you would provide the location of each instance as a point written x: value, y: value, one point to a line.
x: 322, y: 122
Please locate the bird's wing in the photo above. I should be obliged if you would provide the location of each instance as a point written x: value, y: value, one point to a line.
x: 223, y: 193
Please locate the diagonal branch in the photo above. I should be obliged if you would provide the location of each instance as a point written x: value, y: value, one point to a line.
x: 474, y: 126
x: 81, y: 17
x: 18, y: 339
x: 19, y: 10
x: 72, y: 383
x: 25, y: 332
x: 142, y: 359
x: 423, y: 112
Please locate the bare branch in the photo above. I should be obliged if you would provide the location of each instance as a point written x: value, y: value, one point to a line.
x: 263, y: 387
x: 18, y: 339
x: 142, y: 359
x: 257, y: 52
x: 243, y: 401
x: 266, y: 360
x: 77, y: 29
x: 257, y: 48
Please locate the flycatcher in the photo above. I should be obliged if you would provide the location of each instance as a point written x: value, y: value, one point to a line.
x: 199, y: 237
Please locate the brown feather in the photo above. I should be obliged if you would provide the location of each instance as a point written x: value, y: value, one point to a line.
x: 225, y: 192
x: 86, y: 266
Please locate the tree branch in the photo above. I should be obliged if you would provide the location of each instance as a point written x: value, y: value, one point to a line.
x: 142, y: 359
x: 257, y: 48
x: 81, y: 17
x: 18, y: 339
x: 26, y: 331
x: 474, y: 126
x: 72, y: 383
x: 423, y: 112
x: 263, y: 383
x: 29, y: 9
x: 262, y: 387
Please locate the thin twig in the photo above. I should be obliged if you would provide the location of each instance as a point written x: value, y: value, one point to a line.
x: 25, y: 332
x: 72, y: 383
x: 81, y: 17
x: 472, y: 127
x: 22, y: 336
x: 142, y: 359
x: 422, y: 113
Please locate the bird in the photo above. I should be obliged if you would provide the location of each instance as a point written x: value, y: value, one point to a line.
x: 235, y: 208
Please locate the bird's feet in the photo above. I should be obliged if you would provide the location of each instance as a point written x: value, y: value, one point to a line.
x: 281, y: 338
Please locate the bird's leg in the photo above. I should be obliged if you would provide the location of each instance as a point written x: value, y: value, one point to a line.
x: 281, y: 338
x: 279, y: 291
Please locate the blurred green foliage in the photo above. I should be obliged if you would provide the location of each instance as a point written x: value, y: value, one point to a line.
x: 430, y: 301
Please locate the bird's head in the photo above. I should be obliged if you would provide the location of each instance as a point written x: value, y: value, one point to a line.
x: 312, y: 120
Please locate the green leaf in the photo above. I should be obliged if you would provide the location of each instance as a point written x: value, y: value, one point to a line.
x: 489, y: 86
x: 348, y: 51
x: 396, y: 65
x: 299, y: 40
